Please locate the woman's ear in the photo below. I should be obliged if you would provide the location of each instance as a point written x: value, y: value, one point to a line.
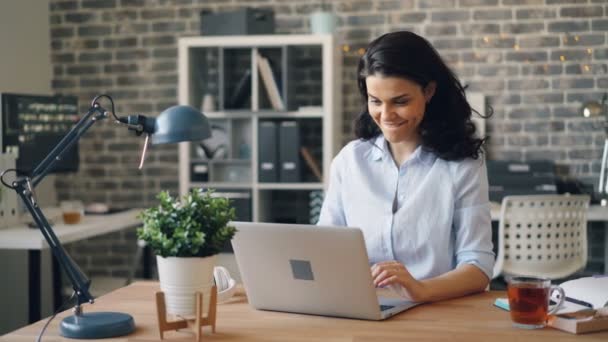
x: 429, y: 91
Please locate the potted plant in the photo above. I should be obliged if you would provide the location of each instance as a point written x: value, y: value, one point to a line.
x: 185, y: 236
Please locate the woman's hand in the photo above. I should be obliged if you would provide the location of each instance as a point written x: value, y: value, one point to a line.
x: 394, y: 273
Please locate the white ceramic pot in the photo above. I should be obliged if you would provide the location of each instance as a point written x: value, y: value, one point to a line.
x: 181, y: 278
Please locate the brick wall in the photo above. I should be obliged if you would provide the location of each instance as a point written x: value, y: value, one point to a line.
x: 535, y: 60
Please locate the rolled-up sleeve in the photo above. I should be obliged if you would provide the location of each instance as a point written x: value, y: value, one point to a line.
x: 472, y: 218
x: 332, y: 212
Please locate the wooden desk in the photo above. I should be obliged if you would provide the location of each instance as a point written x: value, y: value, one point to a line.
x: 596, y: 213
x: 472, y: 318
x: 32, y: 240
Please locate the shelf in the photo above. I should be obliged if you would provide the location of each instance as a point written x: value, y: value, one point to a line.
x: 230, y: 77
x: 290, y: 186
x: 221, y: 185
x: 242, y: 114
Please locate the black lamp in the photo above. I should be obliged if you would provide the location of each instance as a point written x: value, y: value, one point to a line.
x: 176, y: 124
x: 592, y: 109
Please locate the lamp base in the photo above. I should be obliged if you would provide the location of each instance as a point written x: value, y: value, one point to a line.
x: 92, y: 325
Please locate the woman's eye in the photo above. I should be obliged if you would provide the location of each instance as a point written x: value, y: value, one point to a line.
x: 373, y: 101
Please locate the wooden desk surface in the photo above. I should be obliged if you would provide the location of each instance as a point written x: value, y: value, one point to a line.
x: 472, y: 318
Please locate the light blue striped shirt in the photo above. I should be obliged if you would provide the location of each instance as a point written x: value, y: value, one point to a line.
x: 430, y: 214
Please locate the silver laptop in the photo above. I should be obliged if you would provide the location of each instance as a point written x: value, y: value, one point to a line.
x: 311, y: 270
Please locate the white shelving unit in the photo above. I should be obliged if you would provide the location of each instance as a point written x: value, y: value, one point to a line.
x: 308, y: 65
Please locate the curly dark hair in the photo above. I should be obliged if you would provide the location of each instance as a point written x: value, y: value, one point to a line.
x: 446, y: 129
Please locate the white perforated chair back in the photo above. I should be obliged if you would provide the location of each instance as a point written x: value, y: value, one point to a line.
x: 542, y: 235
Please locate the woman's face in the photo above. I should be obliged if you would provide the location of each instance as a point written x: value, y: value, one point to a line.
x: 397, y: 106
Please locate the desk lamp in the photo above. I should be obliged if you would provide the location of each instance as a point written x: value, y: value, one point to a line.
x: 593, y: 109
x: 176, y: 124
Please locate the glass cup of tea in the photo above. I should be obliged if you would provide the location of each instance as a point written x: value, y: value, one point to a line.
x: 529, y: 301
x: 72, y: 211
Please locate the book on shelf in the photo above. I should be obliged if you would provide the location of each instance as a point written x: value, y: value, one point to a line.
x: 270, y: 83
x: 289, y: 158
x: 268, y: 170
x: 242, y: 92
x: 311, y: 163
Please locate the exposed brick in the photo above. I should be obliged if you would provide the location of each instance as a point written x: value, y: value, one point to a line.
x: 479, y: 28
x: 554, y: 2
x: 79, y: 18
x: 543, y: 98
x: 532, y: 27
x: 530, y: 113
x: 454, y: 15
x: 599, y: 25
x: 364, y: 20
x: 477, y: 3
x: 168, y: 27
x: 441, y: 30
x: 581, y: 12
x: 584, y: 40
x: 95, y: 57
x: 97, y: 30
x: 536, y: 13
x: 495, y: 42
x: 62, y: 32
x: 437, y: 4
x: 63, y: 5
x: 540, y: 41
x: 568, y: 26
x: 452, y: 43
x: 523, y: 2
x: 525, y: 56
x: 120, y: 42
x: 565, y: 112
x: 572, y: 83
x: 97, y: 4
x: 494, y: 14
x: 528, y: 84
x: 571, y: 55
x: 412, y: 17
x: 546, y: 69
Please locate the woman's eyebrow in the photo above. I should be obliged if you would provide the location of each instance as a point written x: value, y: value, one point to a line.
x: 398, y: 97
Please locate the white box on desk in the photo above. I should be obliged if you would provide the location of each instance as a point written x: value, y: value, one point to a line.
x: 9, y: 215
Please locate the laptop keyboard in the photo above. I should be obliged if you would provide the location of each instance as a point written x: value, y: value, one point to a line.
x: 386, y: 307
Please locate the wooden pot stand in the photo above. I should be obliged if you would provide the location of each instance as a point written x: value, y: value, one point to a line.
x: 193, y: 323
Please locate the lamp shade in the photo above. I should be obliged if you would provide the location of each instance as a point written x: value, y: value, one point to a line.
x: 180, y: 123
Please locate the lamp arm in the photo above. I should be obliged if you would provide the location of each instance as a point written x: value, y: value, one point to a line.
x: 80, y: 283
x: 25, y: 189
x: 67, y: 141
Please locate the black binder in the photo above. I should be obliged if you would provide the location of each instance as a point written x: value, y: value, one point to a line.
x: 268, y: 138
x: 289, y: 155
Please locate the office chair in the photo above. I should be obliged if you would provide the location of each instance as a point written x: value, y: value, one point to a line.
x: 542, y: 235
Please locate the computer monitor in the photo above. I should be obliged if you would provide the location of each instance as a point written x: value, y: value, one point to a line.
x: 33, y: 124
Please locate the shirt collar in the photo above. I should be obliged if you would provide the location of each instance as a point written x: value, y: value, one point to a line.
x: 380, y: 149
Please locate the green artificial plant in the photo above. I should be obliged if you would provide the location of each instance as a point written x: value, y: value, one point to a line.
x: 198, y: 226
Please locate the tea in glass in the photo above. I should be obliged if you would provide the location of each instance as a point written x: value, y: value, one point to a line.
x: 529, y: 301
x: 72, y: 211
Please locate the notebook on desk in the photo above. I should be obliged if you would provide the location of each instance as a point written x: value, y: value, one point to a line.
x: 310, y: 270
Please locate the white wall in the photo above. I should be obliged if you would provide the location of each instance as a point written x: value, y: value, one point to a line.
x: 25, y: 67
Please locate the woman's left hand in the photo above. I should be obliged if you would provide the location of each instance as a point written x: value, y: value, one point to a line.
x: 392, y: 272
